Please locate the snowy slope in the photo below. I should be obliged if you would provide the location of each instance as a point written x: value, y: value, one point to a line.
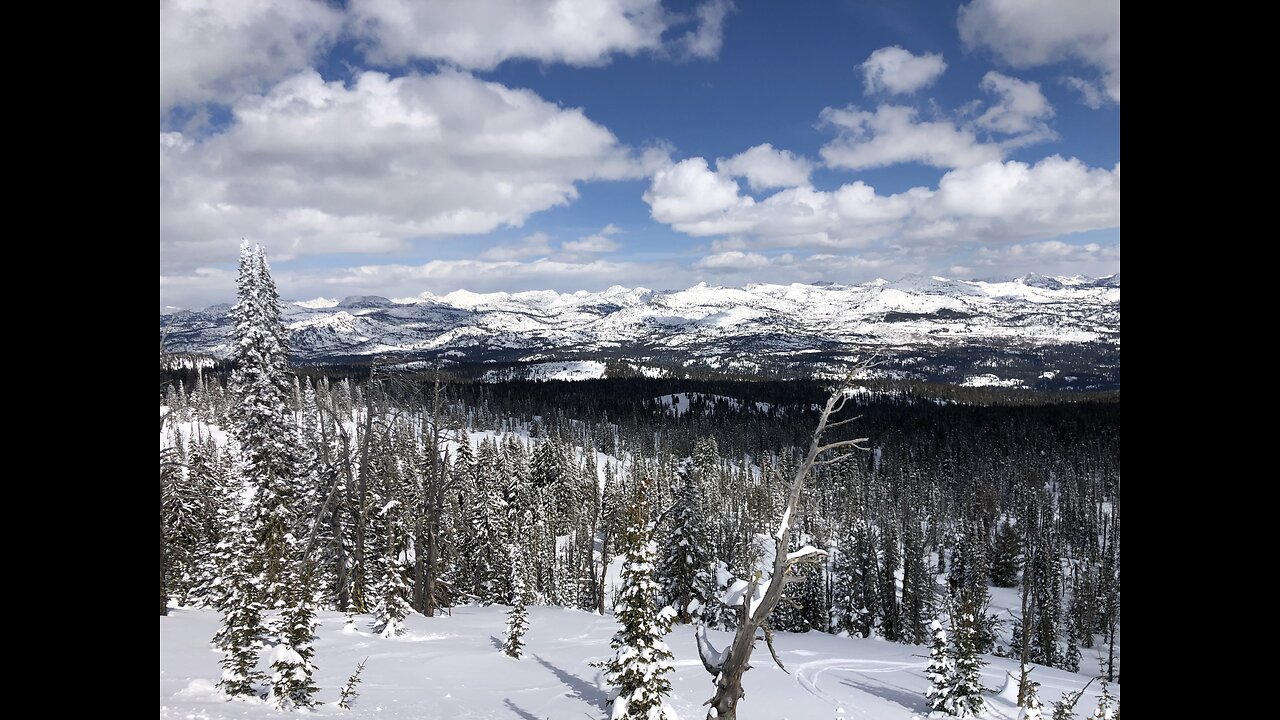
x: 451, y: 668
x: 792, y: 329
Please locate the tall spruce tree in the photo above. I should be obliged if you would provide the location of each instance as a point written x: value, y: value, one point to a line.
x: 685, y: 572
x: 263, y: 420
x: 641, y: 659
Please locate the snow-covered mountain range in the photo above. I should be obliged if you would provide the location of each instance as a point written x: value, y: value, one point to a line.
x: 1034, y: 331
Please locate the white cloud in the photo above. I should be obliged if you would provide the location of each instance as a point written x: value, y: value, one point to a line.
x: 1092, y: 94
x: 481, y: 34
x: 1017, y: 201
x: 991, y: 202
x: 313, y: 167
x: 537, y: 244
x: 764, y: 167
x: 594, y: 244
x: 896, y: 71
x: 892, y: 134
x: 690, y: 193
x: 217, y: 50
x: 734, y: 260
x: 705, y: 40
x: 1022, y: 108
x: 1028, y: 33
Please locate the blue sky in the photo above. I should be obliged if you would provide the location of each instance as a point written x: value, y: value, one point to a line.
x: 394, y: 148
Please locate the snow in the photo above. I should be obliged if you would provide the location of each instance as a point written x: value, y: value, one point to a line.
x: 448, y: 668
x: 699, y: 323
x: 989, y: 380
x: 570, y: 370
x: 317, y: 303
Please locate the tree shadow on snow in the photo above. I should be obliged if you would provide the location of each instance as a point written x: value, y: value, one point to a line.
x: 913, y: 701
x: 583, y: 690
x: 524, y: 714
x: 495, y: 642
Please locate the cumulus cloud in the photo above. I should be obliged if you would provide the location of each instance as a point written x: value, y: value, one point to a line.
x: 217, y: 50
x: 1029, y: 33
x: 313, y: 167
x: 990, y: 202
x: 481, y: 34
x: 894, y: 134
x: 896, y: 71
x: 764, y: 167
x: 1021, y: 107
x: 690, y: 192
x: 706, y: 39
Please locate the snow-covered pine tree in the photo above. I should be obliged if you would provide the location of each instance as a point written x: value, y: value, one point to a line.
x: 394, y: 595
x: 685, y: 572
x: 292, y: 683
x: 967, y: 688
x: 1032, y: 708
x: 641, y: 659
x: 917, y: 586
x: 263, y: 420
x: 517, y: 617
x: 1107, y: 708
x: 940, y: 672
x: 1004, y: 561
x: 240, y: 637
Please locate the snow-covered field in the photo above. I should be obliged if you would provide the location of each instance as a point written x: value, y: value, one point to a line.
x: 452, y: 668
x: 569, y: 370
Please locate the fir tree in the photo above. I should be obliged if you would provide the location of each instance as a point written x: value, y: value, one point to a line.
x: 1108, y: 708
x: 393, y: 600
x: 240, y: 637
x: 1032, y: 708
x: 349, y: 690
x: 292, y: 685
x: 642, y: 659
x: 263, y: 420
x: 940, y: 672
x: 967, y: 688
x: 517, y: 618
x: 685, y: 573
x: 1004, y: 563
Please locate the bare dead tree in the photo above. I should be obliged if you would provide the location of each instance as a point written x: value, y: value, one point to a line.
x: 728, y: 666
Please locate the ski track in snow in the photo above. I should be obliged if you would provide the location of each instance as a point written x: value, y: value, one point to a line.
x: 808, y: 673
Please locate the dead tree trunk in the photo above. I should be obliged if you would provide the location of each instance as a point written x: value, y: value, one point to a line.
x: 728, y: 667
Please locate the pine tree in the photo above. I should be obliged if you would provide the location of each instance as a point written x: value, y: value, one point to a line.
x: 917, y: 587
x: 393, y: 600
x: 685, y: 572
x: 1107, y: 708
x: 642, y: 659
x: 1004, y: 563
x: 292, y: 685
x: 263, y: 420
x: 888, y: 582
x: 240, y: 637
x: 517, y: 617
x: 940, y: 672
x: 1032, y: 708
x: 967, y: 688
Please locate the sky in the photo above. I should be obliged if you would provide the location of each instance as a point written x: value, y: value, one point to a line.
x: 399, y: 147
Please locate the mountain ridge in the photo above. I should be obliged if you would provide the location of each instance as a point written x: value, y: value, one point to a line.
x: 928, y: 327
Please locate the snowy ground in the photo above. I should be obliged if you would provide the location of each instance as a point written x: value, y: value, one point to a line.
x: 451, y: 668
x: 569, y: 370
